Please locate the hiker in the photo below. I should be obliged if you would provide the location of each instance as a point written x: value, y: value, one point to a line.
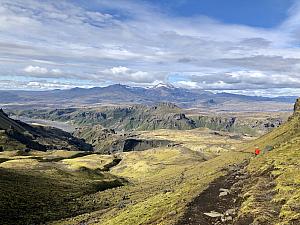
x: 257, y: 151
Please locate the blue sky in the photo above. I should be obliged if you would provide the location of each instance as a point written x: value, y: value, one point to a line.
x: 249, y: 46
x: 260, y: 13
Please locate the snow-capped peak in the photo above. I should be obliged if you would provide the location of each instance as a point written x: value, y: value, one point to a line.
x: 163, y: 85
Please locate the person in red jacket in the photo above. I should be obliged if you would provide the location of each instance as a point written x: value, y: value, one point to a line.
x: 257, y: 151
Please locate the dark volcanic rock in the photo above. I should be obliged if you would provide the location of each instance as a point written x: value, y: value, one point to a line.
x: 297, y: 106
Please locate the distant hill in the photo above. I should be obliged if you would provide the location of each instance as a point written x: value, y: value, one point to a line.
x: 137, y: 117
x: 16, y: 135
x: 122, y: 94
x: 158, y: 116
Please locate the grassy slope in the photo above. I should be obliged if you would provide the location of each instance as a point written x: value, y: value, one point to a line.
x: 163, y: 180
x: 92, y: 162
x: 200, y: 140
x: 272, y: 195
x: 161, y: 207
x: 282, y: 134
x: 33, y: 191
x: 156, y: 195
x: 10, y: 144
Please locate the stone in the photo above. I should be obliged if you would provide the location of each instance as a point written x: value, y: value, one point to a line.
x: 213, y: 214
x: 230, y: 212
x: 229, y: 218
x: 226, y: 218
x: 172, y: 213
x: 223, y: 194
x: 224, y: 190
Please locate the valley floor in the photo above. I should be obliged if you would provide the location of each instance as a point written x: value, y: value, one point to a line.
x: 154, y: 186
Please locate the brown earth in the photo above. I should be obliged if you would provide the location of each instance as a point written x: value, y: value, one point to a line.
x: 210, y: 201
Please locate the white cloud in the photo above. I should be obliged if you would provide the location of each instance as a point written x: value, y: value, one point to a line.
x: 241, y: 80
x: 36, y: 70
x: 48, y: 85
x: 87, y: 45
x: 187, y: 84
x: 38, y: 85
x: 56, y: 71
x: 125, y: 74
x: 118, y: 70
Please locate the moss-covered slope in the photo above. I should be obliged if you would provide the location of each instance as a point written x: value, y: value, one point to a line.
x: 272, y: 195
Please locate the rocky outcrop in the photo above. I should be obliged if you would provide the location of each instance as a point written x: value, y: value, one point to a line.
x: 107, y: 141
x: 297, y: 106
x: 132, y: 144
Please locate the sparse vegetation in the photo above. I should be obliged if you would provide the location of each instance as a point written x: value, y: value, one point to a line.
x: 34, y: 191
x: 271, y: 195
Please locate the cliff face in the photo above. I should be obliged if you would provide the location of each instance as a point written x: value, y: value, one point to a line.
x: 107, y: 141
x: 159, y: 116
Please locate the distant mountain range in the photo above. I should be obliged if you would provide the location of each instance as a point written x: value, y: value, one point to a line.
x: 123, y: 94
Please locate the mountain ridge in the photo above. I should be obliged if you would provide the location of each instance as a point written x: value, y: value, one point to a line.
x: 159, y: 116
x: 123, y: 94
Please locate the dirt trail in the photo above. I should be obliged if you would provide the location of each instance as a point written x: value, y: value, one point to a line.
x: 220, y: 202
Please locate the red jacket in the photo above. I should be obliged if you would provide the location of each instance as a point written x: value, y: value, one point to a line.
x: 257, y: 151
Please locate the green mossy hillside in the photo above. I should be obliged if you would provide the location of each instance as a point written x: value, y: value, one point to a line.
x: 272, y: 195
x: 33, y: 191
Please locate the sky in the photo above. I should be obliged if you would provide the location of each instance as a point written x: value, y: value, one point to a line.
x: 247, y: 47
